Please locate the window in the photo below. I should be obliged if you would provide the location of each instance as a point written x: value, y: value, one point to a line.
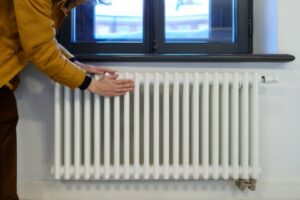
x: 160, y: 27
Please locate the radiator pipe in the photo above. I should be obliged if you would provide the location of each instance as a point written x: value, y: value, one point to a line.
x: 269, y: 79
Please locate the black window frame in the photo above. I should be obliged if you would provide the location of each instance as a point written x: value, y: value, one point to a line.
x: 153, y: 30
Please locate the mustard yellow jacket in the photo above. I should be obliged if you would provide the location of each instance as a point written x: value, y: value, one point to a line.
x: 27, y: 33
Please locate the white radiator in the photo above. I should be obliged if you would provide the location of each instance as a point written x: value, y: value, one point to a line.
x: 173, y: 126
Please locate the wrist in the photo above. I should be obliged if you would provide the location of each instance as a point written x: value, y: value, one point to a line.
x: 91, y: 87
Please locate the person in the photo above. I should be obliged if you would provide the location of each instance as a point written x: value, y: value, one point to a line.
x: 27, y: 33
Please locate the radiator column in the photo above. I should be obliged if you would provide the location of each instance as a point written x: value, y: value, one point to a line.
x: 156, y: 146
x: 176, y: 127
x: 58, y: 130
x: 234, y: 126
x: 146, y: 126
x: 205, y: 126
x: 77, y: 131
x: 225, y: 126
x: 195, y: 126
x: 97, y: 133
x: 126, y: 133
x: 87, y: 134
x: 166, y: 125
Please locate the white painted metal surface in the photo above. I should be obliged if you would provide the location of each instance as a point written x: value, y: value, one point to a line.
x: 172, y: 126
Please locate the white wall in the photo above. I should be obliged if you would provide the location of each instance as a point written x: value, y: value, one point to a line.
x: 279, y: 125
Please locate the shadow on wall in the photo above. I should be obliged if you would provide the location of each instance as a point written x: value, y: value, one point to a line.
x: 35, y: 127
x: 151, y: 185
x: 33, y: 96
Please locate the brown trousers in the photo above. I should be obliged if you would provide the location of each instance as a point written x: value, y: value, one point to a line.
x: 8, y: 145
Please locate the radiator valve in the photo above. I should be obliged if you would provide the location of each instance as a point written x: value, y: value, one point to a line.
x: 269, y: 79
x: 242, y: 184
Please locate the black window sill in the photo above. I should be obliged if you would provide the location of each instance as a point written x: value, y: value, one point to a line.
x: 186, y: 58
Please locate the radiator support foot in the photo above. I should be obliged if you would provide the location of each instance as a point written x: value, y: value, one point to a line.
x: 242, y: 184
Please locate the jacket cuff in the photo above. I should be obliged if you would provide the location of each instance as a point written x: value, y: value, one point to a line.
x: 86, y: 83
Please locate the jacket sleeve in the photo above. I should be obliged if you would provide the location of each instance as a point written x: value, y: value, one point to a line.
x: 37, y: 36
x: 65, y: 52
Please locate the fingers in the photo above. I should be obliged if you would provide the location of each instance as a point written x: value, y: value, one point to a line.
x: 112, y: 76
x: 119, y: 93
x: 125, y: 81
x: 113, y: 87
x: 98, y: 70
x: 125, y: 87
x: 93, y: 70
x: 103, y: 70
x: 122, y: 89
x: 107, y: 70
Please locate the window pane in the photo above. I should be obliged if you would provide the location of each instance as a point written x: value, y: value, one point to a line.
x: 199, y: 21
x: 119, y: 21
x: 112, y: 22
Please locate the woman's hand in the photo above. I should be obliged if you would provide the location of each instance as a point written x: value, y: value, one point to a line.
x: 111, y: 87
x: 95, y: 70
x: 108, y: 85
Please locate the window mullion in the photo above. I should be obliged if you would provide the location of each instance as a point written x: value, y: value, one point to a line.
x: 149, y: 24
x: 159, y: 25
